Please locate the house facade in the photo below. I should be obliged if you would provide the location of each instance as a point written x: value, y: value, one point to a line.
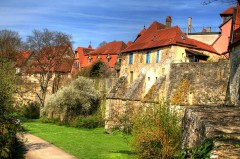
x: 164, y: 64
x: 222, y: 42
x: 108, y: 53
x: 81, y: 58
x: 34, y: 69
x: 219, y: 40
x: 153, y: 52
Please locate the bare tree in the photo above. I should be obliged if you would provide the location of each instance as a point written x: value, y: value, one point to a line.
x: 50, y: 50
x: 10, y: 44
x: 102, y: 43
x: 231, y: 2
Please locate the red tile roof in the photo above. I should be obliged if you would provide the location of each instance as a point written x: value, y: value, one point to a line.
x: 110, y: 48
x: 22, y: 58
x: 129, y: 43
x: 237, y: 26
x: 89, y: 46
x: 237, y: 21
x: 142, y: 31
x: 51, y: 59
x: 228, y: 11
x: 83, y: 50
x: 157, y: 36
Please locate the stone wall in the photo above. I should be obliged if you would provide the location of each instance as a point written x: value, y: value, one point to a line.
x: 117, y: 110
x: 235, y: 75
x: 29, y: 86
x: 185, y: 84
x: 218, y: 123
x: 198, y: 83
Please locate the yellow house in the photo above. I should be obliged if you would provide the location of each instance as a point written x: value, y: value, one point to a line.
x: 155, y: 48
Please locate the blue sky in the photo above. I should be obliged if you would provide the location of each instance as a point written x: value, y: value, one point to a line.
x: 103, y: 20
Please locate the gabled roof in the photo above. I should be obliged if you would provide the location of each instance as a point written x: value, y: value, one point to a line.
x: 129, y: 43
x: 110, y: 48
x: 54, y: 58
x: 85, y: 51
x: 228, y: 11
x: 158, y: 36
x: 22, y: 57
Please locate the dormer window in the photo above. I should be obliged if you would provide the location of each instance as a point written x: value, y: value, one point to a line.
x: 182, y: 37
x: 154, y: 38
x: 108, y: 58
x: 89, y: 59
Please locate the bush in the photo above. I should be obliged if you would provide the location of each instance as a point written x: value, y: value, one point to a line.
x: 9, y: 125
x: 7, y: 87
x: 8, y: 141
x: 79, y: 98
x: 89, y: 122
x: 156, y: 132
x: 32, y: 111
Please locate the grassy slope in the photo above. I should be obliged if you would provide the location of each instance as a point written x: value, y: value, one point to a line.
x: 82, y: 143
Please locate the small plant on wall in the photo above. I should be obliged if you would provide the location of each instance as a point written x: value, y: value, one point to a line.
x: 180, y: 93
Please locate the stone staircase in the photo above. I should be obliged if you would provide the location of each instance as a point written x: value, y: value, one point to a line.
x: 220, y: 123
x: 135, y: 90
x: 154, y: 90
x: 119, y: 88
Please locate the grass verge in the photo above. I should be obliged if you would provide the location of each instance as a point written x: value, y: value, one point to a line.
x: 83, y: 143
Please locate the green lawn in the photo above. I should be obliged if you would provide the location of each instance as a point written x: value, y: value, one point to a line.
x: 83, y: 143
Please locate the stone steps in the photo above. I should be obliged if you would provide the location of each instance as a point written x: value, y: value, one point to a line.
x: 220, y: 123
x: 154, y: 90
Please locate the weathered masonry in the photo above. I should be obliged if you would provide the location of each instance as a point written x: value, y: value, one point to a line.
x: 185, y: 84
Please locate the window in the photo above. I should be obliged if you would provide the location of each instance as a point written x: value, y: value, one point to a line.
x: 89, y: 59
x: 120, y: 61
x: 18, y: 70
x: 148, y: 57
x: 131, y: 76
x: 108, y: 58
x: 131, y: 58
x: 158, y: 58
x: 141, y: 57
x: 76, y: 65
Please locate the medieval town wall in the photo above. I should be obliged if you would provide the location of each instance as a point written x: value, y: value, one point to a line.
x: 186, y: 84
x: 198, y: 83
x: 235, y: 76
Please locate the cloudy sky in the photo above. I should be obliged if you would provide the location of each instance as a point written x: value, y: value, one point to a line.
x: 104, y: 20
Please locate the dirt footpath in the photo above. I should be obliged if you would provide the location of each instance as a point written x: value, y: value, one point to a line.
x: 37, y: 148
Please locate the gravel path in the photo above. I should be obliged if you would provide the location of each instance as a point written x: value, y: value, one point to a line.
x: 37, y: 148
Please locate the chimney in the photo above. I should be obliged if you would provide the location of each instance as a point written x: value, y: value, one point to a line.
x: 168, y: 22
x: 189, y: 28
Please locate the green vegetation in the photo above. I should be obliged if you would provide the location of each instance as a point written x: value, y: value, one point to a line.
x: 201, y: 152
x: 9, y: 125
x: 157, y: 132
x: 97, y: 70
x: 83, y: 143
x: 32, y: 110
x: 79, y: 98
